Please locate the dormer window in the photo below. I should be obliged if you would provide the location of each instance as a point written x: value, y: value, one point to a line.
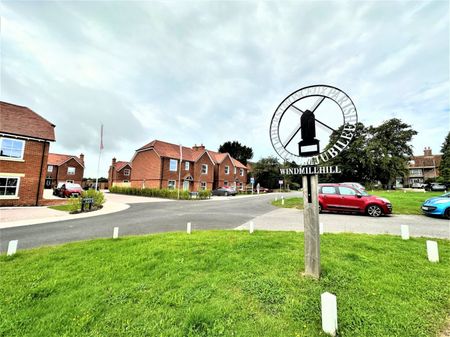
x: 126, y: 172
x: 227, y: 169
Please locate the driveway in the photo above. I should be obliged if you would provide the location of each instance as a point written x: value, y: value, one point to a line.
x: 229, y: 213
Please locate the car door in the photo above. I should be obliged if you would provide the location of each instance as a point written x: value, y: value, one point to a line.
x: 330, y: 197
x: 349, y: 198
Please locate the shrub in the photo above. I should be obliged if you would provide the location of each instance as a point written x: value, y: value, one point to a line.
x: 206, y: 194
x: 153, y: 192
x: 99, y: 197
x: 74, y: 204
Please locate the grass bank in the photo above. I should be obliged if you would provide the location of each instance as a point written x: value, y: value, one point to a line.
x: 402, y: 203
x: 223, y: 283
x: 64, y: 208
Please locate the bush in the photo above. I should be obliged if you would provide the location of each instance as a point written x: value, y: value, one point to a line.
x: 206, y: 194
x: 158, y: 193
x: 99, y: 197
x: 74, y: 204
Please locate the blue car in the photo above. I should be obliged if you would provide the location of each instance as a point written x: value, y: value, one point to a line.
x: 437, y: 206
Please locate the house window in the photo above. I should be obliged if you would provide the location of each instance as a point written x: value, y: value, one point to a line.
x: 126, y: 181
x: 12, y: 148
x: 186, y: 166
x: 242, y: 172
x: 173, y: 165
x: 235, y: 170
x: 126, y: 172
x: 71, y: 170
x: 225, y: 183
x: 171, y: 184
x: 9, y: 187
x: 227, y: 169
x: 203, y: 185
x: 50, y: 168
x: 204, y: 169
x: 241, y: 186
x: 69, y: 181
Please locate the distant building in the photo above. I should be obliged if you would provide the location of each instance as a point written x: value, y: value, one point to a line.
x: 424, y: 167
x: 160, y: 164
x: 119, y: 173
x: 25, y: 139
x: 64, y: 168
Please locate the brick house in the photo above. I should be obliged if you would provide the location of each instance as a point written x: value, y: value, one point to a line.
x: 119, y: 173
x: 24, y: 144
x: 160, y: 164
x: 64, y: 168
x: 424, y: 167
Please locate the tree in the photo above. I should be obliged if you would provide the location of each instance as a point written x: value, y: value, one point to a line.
x: 237, y: 151
x: 356, y: 162
x: 267, y: 172
x: 389, y: 148
x: 444, y: 167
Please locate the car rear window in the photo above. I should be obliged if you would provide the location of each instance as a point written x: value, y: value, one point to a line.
x: 328, y: 190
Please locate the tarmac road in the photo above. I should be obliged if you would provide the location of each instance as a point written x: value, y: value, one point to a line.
x: 222, y: 213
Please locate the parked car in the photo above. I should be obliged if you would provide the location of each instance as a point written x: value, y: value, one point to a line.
x: 345, y: 198
x: 418, y: 185
x: 356, y: 185
x: 224, y: 190
x: 435, y: 187
x: 66, y: 190
x: 437, y: 206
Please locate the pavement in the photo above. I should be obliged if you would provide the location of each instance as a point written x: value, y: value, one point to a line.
x: 289, y: 219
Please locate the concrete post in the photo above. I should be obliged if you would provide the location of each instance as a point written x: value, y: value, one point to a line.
x: 311, y: 225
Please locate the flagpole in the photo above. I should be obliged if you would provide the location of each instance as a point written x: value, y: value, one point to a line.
x: 179, y: 171
x: 99, y: 157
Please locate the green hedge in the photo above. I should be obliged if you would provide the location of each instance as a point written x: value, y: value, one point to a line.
x: 158, y: 193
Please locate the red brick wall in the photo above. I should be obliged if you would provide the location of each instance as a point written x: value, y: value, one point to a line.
x: 62, y: 172
x: 29, y: 184
x: 146, y: 170
x: 199, y: 177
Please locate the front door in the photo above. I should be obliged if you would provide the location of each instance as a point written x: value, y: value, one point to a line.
x: 48, y: 183
x: 186, y: 185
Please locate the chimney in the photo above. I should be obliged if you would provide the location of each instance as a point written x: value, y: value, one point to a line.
x: 82, y: 157
x: 113, y: 161
x: 198, y: 147
x: 427, y: 151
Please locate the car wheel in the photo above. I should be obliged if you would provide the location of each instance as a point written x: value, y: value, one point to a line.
x: 447, y: 213
x: 320, y: 208
x: 374, y: 211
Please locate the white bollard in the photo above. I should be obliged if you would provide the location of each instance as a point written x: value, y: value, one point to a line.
x: 404, y: 191
x: 321, y: 228
x: 405, y: 232
x: 12, y: 247
x: 276, y: 198
x: 329, y: 313
x: 251, y: 227
x: 282, y: 201
x: 189, y: 228
x: 115, y: 232
x: 432, y: 251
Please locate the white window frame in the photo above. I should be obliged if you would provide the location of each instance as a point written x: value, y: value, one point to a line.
x: 203, y: 185
x: 16, y: 140
x: 242, y: 172
x: 50, y: 168
x: 227, y: 169
x: 16, y: 195
x: 126, y: 172
x: 241, y: 186
x: 69, y: 181
x: 186, y: 166
x: 174, y: 184
x: 235, y: 170
x: 74, y: 170
x: 225, y: 183
x: 204, y: 166
x: 171, y: 162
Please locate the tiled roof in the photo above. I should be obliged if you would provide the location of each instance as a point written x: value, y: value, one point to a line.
x: 169, y: 150
x: 59, y: 159
x: 21, y: 121
x: 426, y: 161
x: 121, y: 164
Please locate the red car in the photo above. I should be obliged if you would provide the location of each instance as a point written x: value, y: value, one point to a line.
x: 66, y: 190
x: 345, y: 198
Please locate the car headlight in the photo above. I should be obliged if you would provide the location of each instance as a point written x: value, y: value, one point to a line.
x: 384, y: 200
x: 441, y: 201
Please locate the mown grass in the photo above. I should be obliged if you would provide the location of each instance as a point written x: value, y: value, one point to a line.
x: 64, y: 208
x: 402, y: 202
x: 223, y: 283
x: 406, y: 202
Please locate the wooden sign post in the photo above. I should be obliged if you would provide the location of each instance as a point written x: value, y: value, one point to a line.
x: 311, y: 225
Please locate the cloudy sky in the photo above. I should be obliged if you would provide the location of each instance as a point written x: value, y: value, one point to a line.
x: 206, y: 72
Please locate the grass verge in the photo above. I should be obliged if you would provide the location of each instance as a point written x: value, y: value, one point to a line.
x: 289, y: 203
x: 65, y: 208
x: 223, y: 283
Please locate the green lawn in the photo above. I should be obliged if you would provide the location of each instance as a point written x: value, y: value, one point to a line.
x: 223, y: 283
x: 65, y: 208
x: 402, y: 203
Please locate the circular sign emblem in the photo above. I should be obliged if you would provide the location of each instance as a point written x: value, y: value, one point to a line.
x: 294, y: 123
